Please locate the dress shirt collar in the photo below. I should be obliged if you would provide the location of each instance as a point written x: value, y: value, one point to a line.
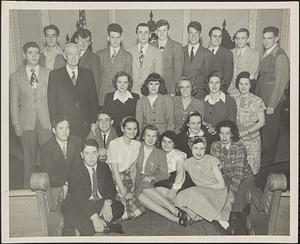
x: 106, y: 133
x: 268, y: 51
x: 90, y: 168
x: 36, y: 71
x: 162, y: 43
x: 144, y: 48
x: 61, y: 143
x: 82, y: 53
x: 192, y: 134
x: 195, y: 48
x: 212, y: 102
x: 111, y: 50
x: 242, y: 51
x: 117, y: 96
x: 213, y: 48
x: 70, y: 71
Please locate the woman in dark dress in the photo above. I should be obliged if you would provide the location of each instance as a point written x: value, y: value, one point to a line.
x: 192, y: 127
x: 121, y: 102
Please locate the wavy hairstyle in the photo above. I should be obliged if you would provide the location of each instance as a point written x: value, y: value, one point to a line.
x: 233, y: 128
x: 154, y: 77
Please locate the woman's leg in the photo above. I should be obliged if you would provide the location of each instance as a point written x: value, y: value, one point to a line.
x: 156, y: 196
x: 155, y: 207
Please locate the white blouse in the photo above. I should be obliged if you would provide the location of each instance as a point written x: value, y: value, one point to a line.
x: 120, y: 153
x: 173, y: 158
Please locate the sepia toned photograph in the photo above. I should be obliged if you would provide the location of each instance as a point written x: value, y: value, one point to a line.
x: 149, y: 122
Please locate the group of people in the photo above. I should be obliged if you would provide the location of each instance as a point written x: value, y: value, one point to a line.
x: 172, y: 129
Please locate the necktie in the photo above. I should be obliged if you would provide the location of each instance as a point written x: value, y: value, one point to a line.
x: 64, y: 150
x: 74, y: 78
x: 162, y: 48
x: 94, y: 186
x: 141, y: 57
x: 104, y: 140
x: 192, y: 54
x: 33, y: 79
x: 213, y: 51
x: 239, y: 54
x: 113, y: 56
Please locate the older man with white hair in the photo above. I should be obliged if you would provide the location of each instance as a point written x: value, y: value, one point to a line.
x: 72, y: 94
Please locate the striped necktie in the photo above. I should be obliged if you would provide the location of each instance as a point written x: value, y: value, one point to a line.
x: 141, y: 57
x: 64, y: 150
x: 33, y: 79
x: 192, y: 54
x: 113, y: 56
x: 95, y: 185
x: 74, y: 78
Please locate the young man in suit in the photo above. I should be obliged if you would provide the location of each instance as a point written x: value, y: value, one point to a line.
x: 172, y: 55
x: 146, y: 58
x: 88, y: 59
x: 273, y: 79
x: 28, y: 106
x: 72, y: 94
x: 222, y: 57
x: 245, y: 59
x: 112, y: 60
x: 90, y: 205
x: 60, y: 153
x: 105, y: 132
x: 198, y: 61
x: 52, y: 55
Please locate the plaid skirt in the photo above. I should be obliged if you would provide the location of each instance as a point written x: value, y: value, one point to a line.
x: 133, y: 208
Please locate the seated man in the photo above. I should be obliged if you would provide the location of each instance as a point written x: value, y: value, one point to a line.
x: 104, y: 133
x: 59, y: 153
x: 90, y: 205
x: 236, y: 170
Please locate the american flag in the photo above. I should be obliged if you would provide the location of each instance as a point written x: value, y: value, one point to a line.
x: 82, y: 20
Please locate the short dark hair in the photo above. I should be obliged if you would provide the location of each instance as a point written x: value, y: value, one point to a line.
x: 233, y: 128
x: 120, y: 74
x: 83, y: 33
x: 162, y: 22
x: 149, y: 127
x: 114, y: 27
x: 28, y: 45
x: 51, y: 27
x: 58, y: 120
x: 191, y: 80
x: 243, y: 74
x: 89, y: 142
x: 185, y: 127
x: 195, y: 140
x: 171, y: 135
x: 102, y: 110
x: 130, y: 119
x: 154, y: 77
x: 218, y: 74
x: 142, y: 25
x: 196, y: 25
x: 272, y: 29
x: 212, y: 29
x: 242, y: 30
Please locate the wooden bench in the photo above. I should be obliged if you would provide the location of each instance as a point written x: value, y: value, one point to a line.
x: 270, y: 210
x: 36, y: 212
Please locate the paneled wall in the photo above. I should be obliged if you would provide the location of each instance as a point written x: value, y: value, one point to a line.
x: 31, y: 23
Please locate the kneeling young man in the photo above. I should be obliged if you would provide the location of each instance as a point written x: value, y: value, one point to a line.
x: 90, y: 205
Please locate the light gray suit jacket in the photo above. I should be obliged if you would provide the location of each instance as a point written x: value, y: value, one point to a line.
x: 172, y: 63
x: 152, y: 63
x: 25, y: 104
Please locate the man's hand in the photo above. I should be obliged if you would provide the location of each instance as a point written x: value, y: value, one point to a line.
x: 269, y: 110
x: 99, y: 224
x: 106, y: 211
x: 18, y: 130
x: 102, y: 153
x: 93, y: 128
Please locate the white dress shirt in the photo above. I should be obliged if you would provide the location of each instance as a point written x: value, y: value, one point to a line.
x: 212, y: 102
x: 70, y: 71
x: 195, y: 48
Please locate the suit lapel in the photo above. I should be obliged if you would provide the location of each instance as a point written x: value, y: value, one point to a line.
x: 57, y: 148
x: 24, y: 79
x: 168, y: 47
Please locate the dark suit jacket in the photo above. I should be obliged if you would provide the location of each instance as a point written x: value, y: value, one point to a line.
x: 223, y: 62
x: 77, y: 103
x: 199, y: 68
x: 90, y: 60
x: 58, y: 62
x: 112, y: 135
x: 80, y: 189
x: 53, y: 162
x: 172, y: 63
x: 122, y: 62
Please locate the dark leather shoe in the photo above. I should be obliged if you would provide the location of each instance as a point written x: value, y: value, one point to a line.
x: 116, y: 228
